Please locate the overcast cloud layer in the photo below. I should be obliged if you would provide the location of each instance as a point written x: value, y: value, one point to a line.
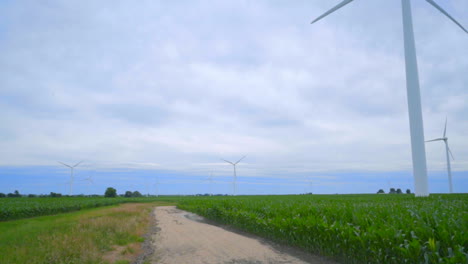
x: 177, y: 85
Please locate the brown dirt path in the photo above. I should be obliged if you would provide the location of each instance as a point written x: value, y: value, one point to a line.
x: 184, y: 238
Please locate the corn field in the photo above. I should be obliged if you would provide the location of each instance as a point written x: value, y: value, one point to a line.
x: 351, y: 228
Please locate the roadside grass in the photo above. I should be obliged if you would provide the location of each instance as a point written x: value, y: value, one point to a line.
x: 110, y: 234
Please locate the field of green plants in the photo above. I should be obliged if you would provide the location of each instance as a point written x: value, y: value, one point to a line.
x: 17, y: 208
x: 351, y: 228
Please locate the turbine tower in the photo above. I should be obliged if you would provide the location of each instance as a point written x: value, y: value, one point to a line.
x: 447, y: 151
x: 235, y: 175
x: 71, y: 175
x: 412, y: 88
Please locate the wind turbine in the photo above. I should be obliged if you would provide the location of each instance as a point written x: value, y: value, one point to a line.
x: 210, y: 179
x: 235, y: 175
x: 90, y: 181
x: 412, y: 87
x: 447, y: 151
x: 71, y: 175
x: 156, y: 183
x: 311, y: 184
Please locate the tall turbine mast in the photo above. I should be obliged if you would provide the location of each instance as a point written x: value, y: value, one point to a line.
x: 71, y: 175
x: 412, y: 87
x: 235, y: 175
x: 447, y: 151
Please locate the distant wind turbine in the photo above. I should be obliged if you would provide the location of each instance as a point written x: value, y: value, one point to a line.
x: 447, y: 151
x: 210, y: 179
x: 235, y: 175
x: 71, y: 175
x: 414, y: 99
x: 311, y: 185
x: 156, y: 183
x: 90, y: 181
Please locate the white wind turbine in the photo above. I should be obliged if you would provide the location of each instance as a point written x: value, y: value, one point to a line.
x: 235, y: 175
x: 447, y: 151
x: 90, y: 181
x: 210, y: 179
x: 412, y: 87
x: 311, y: 184
x: 156, y: 183
x: 71, y: 175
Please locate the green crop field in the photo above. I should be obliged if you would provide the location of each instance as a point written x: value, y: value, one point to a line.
x: 351, y: 228
x: 17, y: 208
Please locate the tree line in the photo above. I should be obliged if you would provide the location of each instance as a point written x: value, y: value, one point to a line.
x: 393, y: 191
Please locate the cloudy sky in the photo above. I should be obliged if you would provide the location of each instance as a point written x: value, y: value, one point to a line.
x: 152, y: 94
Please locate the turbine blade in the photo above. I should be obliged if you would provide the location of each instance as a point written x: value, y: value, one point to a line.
x: 240, y: 159
x: 450, y: 151
x: 64, y: 164
x: 77, y: 164
x: 228, y: 161
x: 437, y: 139
x: 445, y: 128
x: 340, y: 5
x: 445, y: 13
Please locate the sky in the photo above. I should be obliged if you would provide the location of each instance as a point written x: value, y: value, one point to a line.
x: 152, y: 95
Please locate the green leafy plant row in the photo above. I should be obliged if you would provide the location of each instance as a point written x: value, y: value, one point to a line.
x: 352, y: 228
x: 17, y: 208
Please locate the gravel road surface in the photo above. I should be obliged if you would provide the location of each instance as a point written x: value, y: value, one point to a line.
x: 186, y: 238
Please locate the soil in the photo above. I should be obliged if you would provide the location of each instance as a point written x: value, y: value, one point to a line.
x: 183, y: 237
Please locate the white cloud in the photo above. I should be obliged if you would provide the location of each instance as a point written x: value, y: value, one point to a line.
x: 178, y: 84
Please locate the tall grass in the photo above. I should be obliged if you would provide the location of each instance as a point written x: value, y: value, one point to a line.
x: 102, y: 235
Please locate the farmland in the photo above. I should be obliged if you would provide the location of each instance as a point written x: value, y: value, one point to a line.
x: 348, y: 228
x: 352, y: 228
x: 17, y: 208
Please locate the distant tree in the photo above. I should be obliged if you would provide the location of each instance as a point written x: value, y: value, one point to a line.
x: 408, y: 191
x: 110, y: 192
x: 31, y: 195
x: 15, y: 194
x: 52, y: 194
x: 399, y: 191
x: 136, y: 194
x: 381, y: 191
x: 2, y: 195
x: 128, y: 194
x: 392, y: 190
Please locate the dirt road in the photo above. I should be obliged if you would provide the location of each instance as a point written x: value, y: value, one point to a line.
x: 184, y: 238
